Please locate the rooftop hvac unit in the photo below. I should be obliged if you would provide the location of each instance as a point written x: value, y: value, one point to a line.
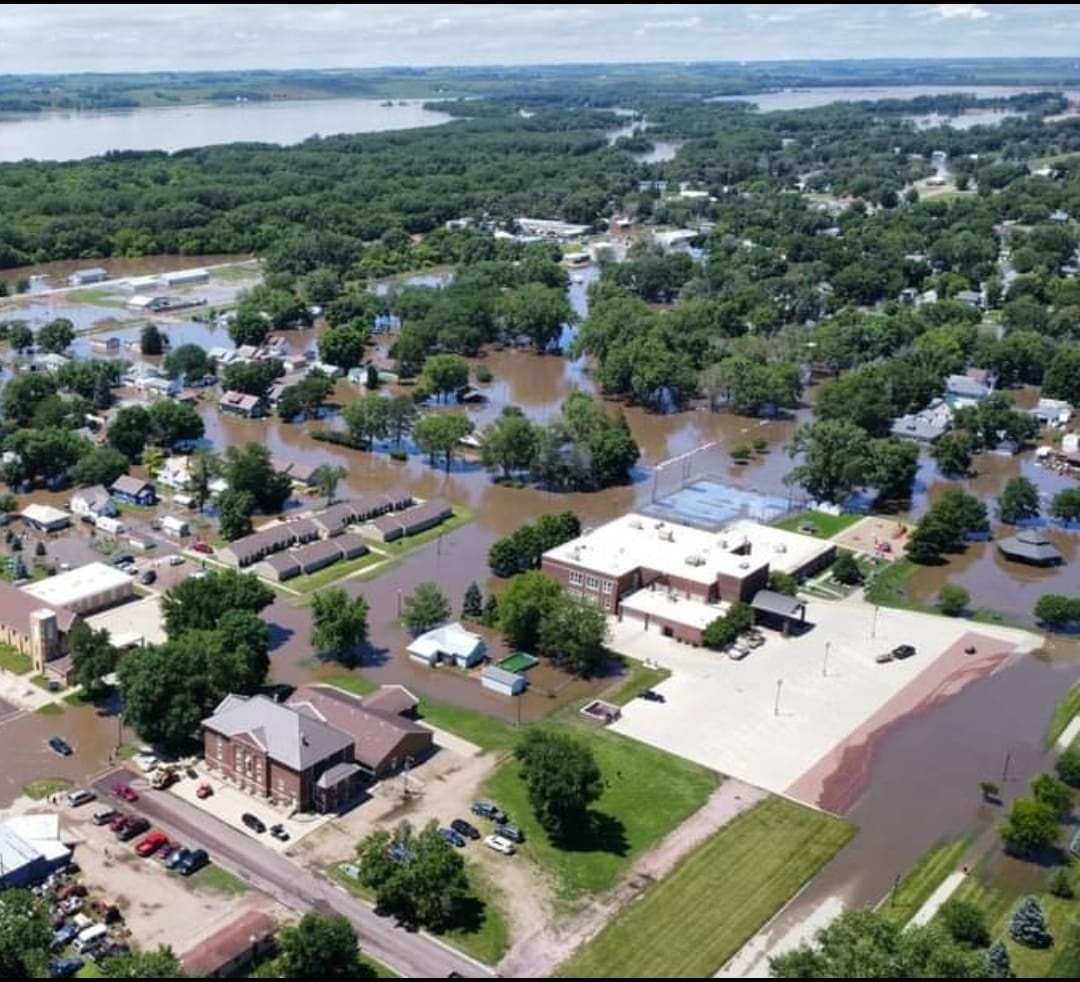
x: 695, y: 560
x: 667, y: 535
x: 744, y: 565
x: 635, y: 523
x: 780, y: 547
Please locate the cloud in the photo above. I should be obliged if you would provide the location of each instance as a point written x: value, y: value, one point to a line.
x: 684, y: 23
x: 960, y: 11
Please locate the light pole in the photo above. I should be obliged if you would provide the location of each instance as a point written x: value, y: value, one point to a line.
x: 873, y: 627
x: 399, y: 603
x: 776, y: 705
x: 825, y: 661
x: 1005, y: 769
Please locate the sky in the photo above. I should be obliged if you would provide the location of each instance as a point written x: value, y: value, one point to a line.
x: 145, y: 37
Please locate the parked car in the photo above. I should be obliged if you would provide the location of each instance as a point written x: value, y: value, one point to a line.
x: 280, y: 833
x: 511, y: 832
x: 884, y: 657
x: 151, y: 844
x: 61, y: 746
x: 200, y: 574
x: 80, y: 796
x: 125, y: 791
x: 119, y: 820
x: 203, y: 790
x: 453, y: 838
x: 903, y: 651
x: 132, y: 827
x: 499, y: 844
x: 651, y: 695
x: 193, y: 862
x: 253, y: 822
x: 176, y: 857
x: 64, y: 937
x: 147, y: 577
x: 203, y: 547
x: 126, y: 559
x: 464, y: 828
x: 485, y: 809
x: 176, y: 559
x: 63, y: 968
x: 737, y: 652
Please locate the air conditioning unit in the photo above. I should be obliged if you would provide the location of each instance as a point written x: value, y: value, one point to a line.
x: 667, y: 535
x: 780, y: 547
x: 636, y: 523
x: 695, y: 560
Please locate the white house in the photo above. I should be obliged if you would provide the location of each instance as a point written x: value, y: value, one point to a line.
x: 46, y: 518
x: 175, y: 473
x: 89, y: 503
x: 449, y: 643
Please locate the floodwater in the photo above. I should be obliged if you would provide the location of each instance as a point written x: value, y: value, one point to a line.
x: 662, y: 151
x: 72, y: 135
x: 54, y: 275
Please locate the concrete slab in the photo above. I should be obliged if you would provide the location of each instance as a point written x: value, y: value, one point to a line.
x: 772, y: 717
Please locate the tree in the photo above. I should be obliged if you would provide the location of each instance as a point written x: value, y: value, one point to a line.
x: 1030, y: 827
x: 56, y: 335
x: 248, y: 326
x: 199, y: 604
x: 1027, y: 925
x: 718, y: 633
x: 573, y: 633
x: 339, y: 622
x: 952, y: 454
x: 945, y: 527
x: 1053, y: 792
x: 952, y: 599
x: 247, y: 636
x: 425, y: 608
x: 93, y: 656
x: 173, y: 422
x: 446, y: 373
x: 25, y: 935
x: 102, y: 465
x: 472, y: 606
x: 235, y: 509
x: 1057, y: 611
x: 1018, y: 501
x: 307, y: 397
x: 523, y: 607
x: 368, y: 419
x: 22, y: 396
x: 400, y: 413
x: 151, y: 340
x: 344, y: 346
x: 1060, y: 884
x: 252, y: 377
x: 845, y: 569
x: 439, y: 434
x: 188, y: 363
x: 205, y: 465
x: 964, y: 920
x: 562, y: 778
x: 864, y: 944
x: 327, y: 478
x: 160, y: 963
x: 996, y: 964
x: 320, y: 946
x: 249, y: 468
x: 783, y: 583
x: 129, y: 431
x: 834, y: 459
x: 538, y: 313
x: 1066, y: 505
x: 8, y: 503
x: 1068, y: 766
x: 21, y: 337
x: 510, y: 442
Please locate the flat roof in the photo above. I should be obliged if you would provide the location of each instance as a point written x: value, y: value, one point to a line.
x: 673, y: 607
x: 637, y: 541
x: 75, y: 585
x: 44, y: 514
x: 139, y: 618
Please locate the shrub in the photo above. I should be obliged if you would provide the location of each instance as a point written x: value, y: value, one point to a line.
x: 1027, y: 926
x: 1068, y: 767
x: 1050, y: 791
x: 783, y: 583
x: 952, y: 600
x: 398, y: 454
x: 741, y: 453
x: 965, y: 922
x: 846, y: 570
x: 1060, y: 884
x: 760, y: 444
x: 990, y: 790
x: 997, y: 964
x: 484, y: 374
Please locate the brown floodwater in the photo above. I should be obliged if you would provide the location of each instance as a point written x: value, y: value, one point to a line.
x: 56, y: 273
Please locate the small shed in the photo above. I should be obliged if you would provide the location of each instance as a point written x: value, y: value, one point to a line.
x: 173, y: 525
x: 500, y: 680
x: 46, y: 518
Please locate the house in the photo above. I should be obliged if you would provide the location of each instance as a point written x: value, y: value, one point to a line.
x: 176, y: 473
x: 105, y: 346
x: 232, y: 949
x: 279, y: 567
x: 174, y: 526
x: 970, y: 298
x: 1052, y: 411
x: 45, y: 518
x: 971, y: 386
x: 449, y: 643
x: 242, y: 404
x: 304, y: 475
x: 500, y: 680
x: 246, y: 352
x: 84, y: 277
x: 158, y: 386
x: 90, y: 503
x: 317, y: 555
x: 1032, y: 547
x: 412, y: 521
x: 134, y: 491
x: 34, y: 627
x: 266, y: 541
x: 927, y: 426
x: 383, y: 741
x: 340, y: 515
x: 112, y: 526
x: 276, y: 752
x: 50, y: 361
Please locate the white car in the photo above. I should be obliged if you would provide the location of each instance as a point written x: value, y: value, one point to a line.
x: 499, y: 844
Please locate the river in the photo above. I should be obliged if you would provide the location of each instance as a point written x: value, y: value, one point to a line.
x: 74, y: 135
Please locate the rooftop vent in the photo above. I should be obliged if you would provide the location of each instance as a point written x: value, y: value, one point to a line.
x: 779, y: 547
x: 635, y: 523
x: 695, y: 560
x: 744, y: 565
x: 667, y: 535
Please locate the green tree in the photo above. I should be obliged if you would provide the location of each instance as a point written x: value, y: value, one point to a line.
x: 523, y: 607
x: 56, y: 335
x: 1028, y: 926
x: 93, y: 656
x: 1030, y: 827
x: 438, y: 435
x: 188, y: 362
x: 783, y: 583
x: 996, y: 964
x: 344, y: 346
x: 159, y: 963
x: 426, y: 607
x: 1053, y: 792
x: 368, y: 419
x: 249, y: 468
x: 25, y: 935
x: 1057, y: 611
x: 833, y: 459
x: 472, y: 606
x: 1068, y: 766
x: 952, y: 599
x: 21, y: 337
x: 22, y: 395
x: 965, y: 922
x: 151, y: 341
x: 252, y: 377
x: 510, y: 442
x: 573, y: 633
x: 327, y: 478
x: 1060, y: 884
x: 8, y: 503
x: 339, y: 623
x: 129, y: 431
x: 204, y: 467
x: 321, y: 946
x: 1019, y: 500
x: 199, y: 604
x: 562, y: 778
x: 538, y: 313
x: 235, y: 509
x: 952, y: 454
x: 718, y: 633
x: 845, y: 569
x: 554, y: 529
x: 102, y: 465
x: 400, y: 413
x: 1066, y: 505
x: 491, y: 611
x: 308, y: 396
x: 446, y: 373
x: 173, y: 422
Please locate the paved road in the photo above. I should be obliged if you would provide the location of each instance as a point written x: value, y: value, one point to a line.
x: 413, y: 955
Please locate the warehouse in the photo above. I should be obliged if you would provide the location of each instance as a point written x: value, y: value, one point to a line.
x: 84, y: 590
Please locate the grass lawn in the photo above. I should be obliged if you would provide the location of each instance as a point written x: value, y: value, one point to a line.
x: 233, y: 273
x: 90, y: 971
x: 50, y: 709
x: 637, y: 677
x: 324, y: 577
x: 890, y: 587
x: 926, y: 876
x: 356, y: 684
x: 691, y: 922
x: 647, y: 793
x: 14, y: 661
x: 126, y: 751
x: 462, y: 516
x: 485, y: 731
x: 45, y: 786
x: 381, y: 971
x: 99, y: 296
x: 1066, y: 710
x: 214, y: 878
x: 827, y: 525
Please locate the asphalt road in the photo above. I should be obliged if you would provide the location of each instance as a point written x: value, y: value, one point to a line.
x: 411, y: 954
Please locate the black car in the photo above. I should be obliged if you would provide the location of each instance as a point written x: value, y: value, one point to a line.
x: 147, y: 577
x: 133, y: 827
x: 651, y: 695
x: 193, y: 862
x: 278, y: 832
x: 485, y: 809
x: 903, y: 651
x: 511, y: 832
x: 61, y: 746
x: 124, y: 560
x: 253, y: 822
x: 464, y: 828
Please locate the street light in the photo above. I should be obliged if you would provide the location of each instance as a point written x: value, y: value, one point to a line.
x: 825, y: 662
x: 776, y: 706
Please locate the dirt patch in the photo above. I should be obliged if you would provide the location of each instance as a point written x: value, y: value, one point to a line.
x: 875, y: 536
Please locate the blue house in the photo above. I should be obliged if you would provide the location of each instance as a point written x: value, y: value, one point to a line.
x: 133, y: 491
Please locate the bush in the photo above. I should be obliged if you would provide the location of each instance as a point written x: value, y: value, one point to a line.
x: 965, y: 922
x: 952, y: 600
x: 783, y: 583
x: 846, y: 570
x: 1068, y: 767
x: 741, y: 453
x: 760, y: 444
x: 1060, y: 884
x: 398, y: 454
x: 1027, y: 926
x: 484, y: 374
x: 1050, y: 791
x: 997, y: 964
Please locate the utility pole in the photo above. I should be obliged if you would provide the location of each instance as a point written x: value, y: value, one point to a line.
x: 1005, y: 769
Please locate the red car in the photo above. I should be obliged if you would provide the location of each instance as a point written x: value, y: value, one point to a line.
x: 125, y: 791
x: 118, y: 822
x: 203, y: 790
x: 152, y: 843
x: 204, y: 547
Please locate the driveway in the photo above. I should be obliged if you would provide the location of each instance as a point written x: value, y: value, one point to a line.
x: 413, y: 955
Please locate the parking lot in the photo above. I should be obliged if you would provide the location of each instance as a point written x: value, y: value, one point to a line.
x: 798, y: 703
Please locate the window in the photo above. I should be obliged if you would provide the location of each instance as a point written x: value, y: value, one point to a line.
x: 280, y: 783
x: 575, y: 579
x: 592, y: 582
x: 608, y: 586
x: 220, y: 749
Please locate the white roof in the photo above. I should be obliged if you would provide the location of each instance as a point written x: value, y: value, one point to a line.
x: 23, y: 838
x: 138, y: 622
x: 450, y: 639
x: 674, y: 607
x: 78, y: 584
x: 44, y: 514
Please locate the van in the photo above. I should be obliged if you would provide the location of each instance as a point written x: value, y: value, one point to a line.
x: 80, y: 797
x: 90, y: 937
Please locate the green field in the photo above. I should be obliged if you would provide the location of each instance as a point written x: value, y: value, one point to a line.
x: 889, y: 588
x: 1063, y: 715
x: 485, y: 731
x: 827, y: 525
x: 324, y: 577
x: 14, y: 661
x: 691, y: 922
x: 214, y: 879
x: 646, y: 794
x: 356, y: 684
x: 637, y: 677
x: 45, y: 786
x: 926, y: 876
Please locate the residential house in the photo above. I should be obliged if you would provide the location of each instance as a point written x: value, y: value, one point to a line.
x: 232, y: 950
x: 93, y: 502
x: 266, y: 541
x: 412, y: 521
x: 970, y: 298
x: 242, y: 404
x: 134, y: 491
x: 45, y: 518
x: 105, y: 346
x: 176, y: 473
x: 927, y: 426
x: 968, y: 387
x: 449, y: 643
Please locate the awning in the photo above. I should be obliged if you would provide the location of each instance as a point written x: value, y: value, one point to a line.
x: 780, y: 604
